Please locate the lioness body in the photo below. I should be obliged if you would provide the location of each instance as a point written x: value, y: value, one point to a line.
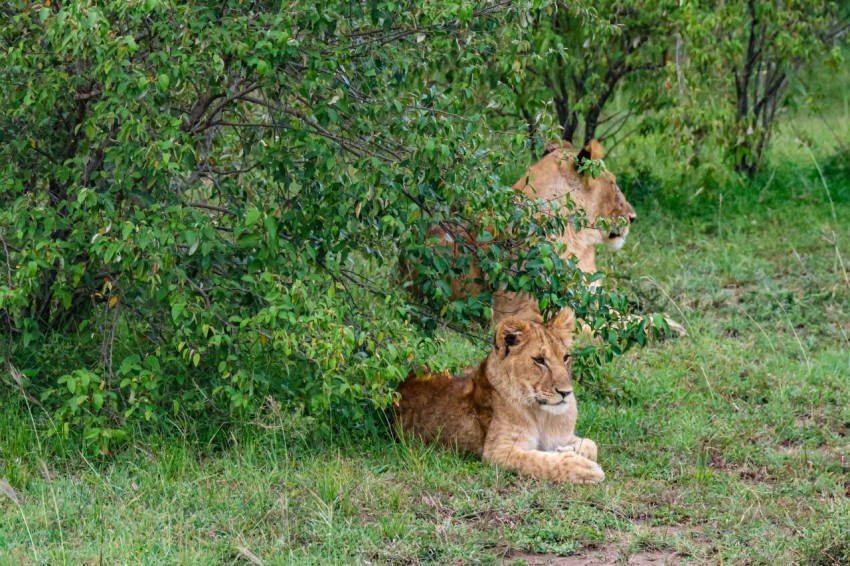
x: 555, y: 179
x: 516, y: 409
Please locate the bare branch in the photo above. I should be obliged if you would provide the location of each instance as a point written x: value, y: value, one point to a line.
x: 206, y: 206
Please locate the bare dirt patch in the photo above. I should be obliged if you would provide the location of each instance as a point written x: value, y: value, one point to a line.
x: 607, y: 555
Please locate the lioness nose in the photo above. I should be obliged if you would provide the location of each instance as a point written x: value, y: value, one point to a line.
x: 564, y: 393
x: 632, y: 218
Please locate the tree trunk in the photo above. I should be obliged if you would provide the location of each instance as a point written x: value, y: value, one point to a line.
x: 569, y: 126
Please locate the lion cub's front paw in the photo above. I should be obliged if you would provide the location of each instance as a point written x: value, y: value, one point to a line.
x: 582, y: 446
x: 578, y: 469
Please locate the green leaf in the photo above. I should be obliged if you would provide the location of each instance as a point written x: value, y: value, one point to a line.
x: 162, y: 82
x: 263, y: 68
x: 252, y: 216
x: 177, y: 311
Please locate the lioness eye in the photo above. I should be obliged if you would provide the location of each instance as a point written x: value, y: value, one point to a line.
x: 567, y: 359
x: 540, y: 360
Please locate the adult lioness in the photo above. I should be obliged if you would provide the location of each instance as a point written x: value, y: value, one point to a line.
x: 555, y: 176
x: 554, y: 179
x: 517, y: 409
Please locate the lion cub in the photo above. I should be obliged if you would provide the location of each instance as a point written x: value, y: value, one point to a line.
x: 517, y: 409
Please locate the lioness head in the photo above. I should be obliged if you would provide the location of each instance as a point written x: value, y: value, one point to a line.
x: 531, y: 364
x: 601, y: 198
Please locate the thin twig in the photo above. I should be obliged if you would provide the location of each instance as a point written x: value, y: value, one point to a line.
x: 212, y: 207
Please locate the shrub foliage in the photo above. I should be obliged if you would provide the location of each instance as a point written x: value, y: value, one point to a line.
x: 203, y: 203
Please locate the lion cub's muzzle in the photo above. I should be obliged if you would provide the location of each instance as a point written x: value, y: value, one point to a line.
x: 563, y: 394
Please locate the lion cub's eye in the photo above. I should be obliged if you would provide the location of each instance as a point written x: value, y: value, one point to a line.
x: 540, y: 360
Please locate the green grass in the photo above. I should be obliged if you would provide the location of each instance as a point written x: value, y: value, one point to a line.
x: 733, y: 447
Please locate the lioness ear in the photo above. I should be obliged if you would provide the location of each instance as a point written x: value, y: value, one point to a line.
x: 564, y: 325
x: 511, y: 332
x: 593, y: 150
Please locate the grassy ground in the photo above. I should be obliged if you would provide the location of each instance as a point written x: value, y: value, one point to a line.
x: 734, y: 446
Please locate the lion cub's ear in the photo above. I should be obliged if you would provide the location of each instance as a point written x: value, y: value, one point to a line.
x: 511, y: 332
x: 564, y: 325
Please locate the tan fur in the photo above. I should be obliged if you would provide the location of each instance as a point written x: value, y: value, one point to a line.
x: 553, y: 179
x: 512, y: 410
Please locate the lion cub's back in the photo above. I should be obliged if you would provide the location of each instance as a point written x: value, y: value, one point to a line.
x: 437, y: 408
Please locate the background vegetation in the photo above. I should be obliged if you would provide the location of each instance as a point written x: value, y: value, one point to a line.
x: 203, y: 207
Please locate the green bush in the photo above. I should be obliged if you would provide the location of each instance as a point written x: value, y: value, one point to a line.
x: 203, y: 204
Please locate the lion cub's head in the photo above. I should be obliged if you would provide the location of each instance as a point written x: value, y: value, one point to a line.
x: 530, y: 362
x: 600, y: 198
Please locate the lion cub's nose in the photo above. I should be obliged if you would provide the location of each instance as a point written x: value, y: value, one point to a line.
x: 564, y: 393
